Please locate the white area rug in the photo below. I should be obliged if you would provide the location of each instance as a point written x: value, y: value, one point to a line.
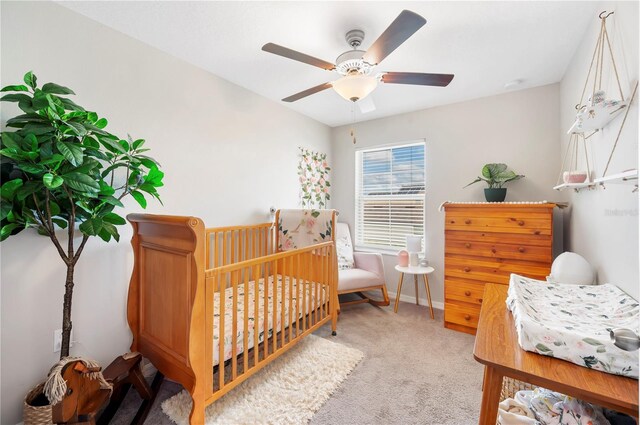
x: 287, y: 391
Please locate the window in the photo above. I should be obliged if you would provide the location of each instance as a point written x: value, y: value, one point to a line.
x: 390, y: 195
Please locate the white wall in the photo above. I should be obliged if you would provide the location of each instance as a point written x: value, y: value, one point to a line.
x: 603, y: 224
x: 228, y: 155
x: 519, y: 128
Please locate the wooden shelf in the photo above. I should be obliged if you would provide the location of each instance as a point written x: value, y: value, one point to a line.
x: 626, y: 177
x: 575, y: 186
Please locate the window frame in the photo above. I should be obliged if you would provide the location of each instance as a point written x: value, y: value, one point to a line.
x: 358, y: 178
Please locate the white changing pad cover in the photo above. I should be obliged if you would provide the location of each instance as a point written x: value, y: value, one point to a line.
x: 572, y: 322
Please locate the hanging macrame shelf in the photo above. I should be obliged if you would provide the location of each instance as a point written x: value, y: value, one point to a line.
x: 575, y: 186
x: 592, y: 116
x: 626, y: 177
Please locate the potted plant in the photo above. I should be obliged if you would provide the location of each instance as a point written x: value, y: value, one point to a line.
x: 61, y: 169
x: 496, y: 175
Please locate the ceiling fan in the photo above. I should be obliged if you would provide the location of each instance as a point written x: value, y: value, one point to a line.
x: 356, y: 66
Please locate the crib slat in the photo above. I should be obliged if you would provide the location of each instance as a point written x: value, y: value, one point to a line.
x: 286, y: 272
x: 256, y: 302
x: 265, y: 315
x: 305, y: 283
x: 224, y: 249
x: 215, y: 250
x: 290, y: 311
x: 221, y: 303
x: 234, y: 325
x: 245, y: 328
x: 275, y: 306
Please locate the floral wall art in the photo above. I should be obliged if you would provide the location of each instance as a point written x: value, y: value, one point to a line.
x: 313, y: 173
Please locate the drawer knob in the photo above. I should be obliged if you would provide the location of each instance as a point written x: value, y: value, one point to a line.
x: 467, y: 269
x: 537, y: 232
x: 493, y: 250
x: 521, y: 249
x: 467, y: 245
x: 467, y: 222
x: 521, y: 223
x: 467, y: 317
x: 467, y: 293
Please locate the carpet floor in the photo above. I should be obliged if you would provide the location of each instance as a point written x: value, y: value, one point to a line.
x: 414, y: 372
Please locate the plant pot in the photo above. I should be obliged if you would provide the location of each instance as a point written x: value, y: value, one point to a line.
x: 495, y: 194
x: 36, y: 409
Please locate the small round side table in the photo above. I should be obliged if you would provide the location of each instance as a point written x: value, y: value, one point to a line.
x: 415, y: 271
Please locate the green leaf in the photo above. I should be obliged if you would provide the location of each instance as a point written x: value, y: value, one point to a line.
x: 154, y: 177
x: 9, y: 188
x: 15, y: 88
x: 51, y: 181
x: 138, y: 143
x: 32, y: 168
x: 112, y: 201
x: 114, y: 218
x: 101, y: 123
x: 5, y: 209
x: 81, y: 182
x: 53, y: 88
x: 60, y: 222
x: 71, y: 151
x: 111, y: 230
x: 77, y: 128
x: 105, y: 189
x: 27, y: 189
x: 30, y: 79
x: 6, y: 230
x: 11, y: 140
x: 91, y: 226
x: 54, y: 208
x: 16, y: 97
x: 139, y: 197
x: 70, y: 105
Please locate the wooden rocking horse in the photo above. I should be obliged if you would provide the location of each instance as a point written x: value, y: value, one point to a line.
x: 88, y: 390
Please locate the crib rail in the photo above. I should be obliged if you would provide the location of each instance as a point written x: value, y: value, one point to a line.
x: 275, y: 300
x: 232, y: 244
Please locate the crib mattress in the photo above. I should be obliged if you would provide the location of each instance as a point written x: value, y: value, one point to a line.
x: 572, y: 322
x: 259, y: 322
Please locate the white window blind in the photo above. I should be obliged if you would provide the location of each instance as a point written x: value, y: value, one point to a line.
x: 390, y: 195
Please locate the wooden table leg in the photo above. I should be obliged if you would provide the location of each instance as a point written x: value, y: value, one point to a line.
x: 398, y: 290
x: 426, y: 285
x: 415, y: 283
x: 490, y: 396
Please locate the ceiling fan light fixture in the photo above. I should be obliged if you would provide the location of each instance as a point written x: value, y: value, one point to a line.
x: 355, y: 87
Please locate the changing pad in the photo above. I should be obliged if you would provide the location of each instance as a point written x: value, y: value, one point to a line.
x: 572, y: 322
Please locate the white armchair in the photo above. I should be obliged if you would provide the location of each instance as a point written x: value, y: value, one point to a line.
x: 359, y: 271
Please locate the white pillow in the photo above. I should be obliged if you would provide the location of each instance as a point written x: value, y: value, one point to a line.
x: 345, y: 253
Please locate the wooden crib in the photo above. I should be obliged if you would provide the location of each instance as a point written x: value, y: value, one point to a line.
x: 272, y: 300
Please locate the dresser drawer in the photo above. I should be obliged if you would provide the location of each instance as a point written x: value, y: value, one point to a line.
x: 522, y: 225
x: 493, y: 270
x: 505, y: 238
x: 468, y: 292
x: 499, y: 250
x: 462, y: 315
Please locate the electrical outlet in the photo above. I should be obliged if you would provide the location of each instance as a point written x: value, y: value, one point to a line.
x: 57, y: 340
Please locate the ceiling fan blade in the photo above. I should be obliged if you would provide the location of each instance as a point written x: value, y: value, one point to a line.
x: 366, y: 105
x: 307, y: 92
x: 403, y: 27
x: 417, y: 78
x: 297, y: 56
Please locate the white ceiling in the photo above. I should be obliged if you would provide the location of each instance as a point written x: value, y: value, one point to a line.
x: 485, y: 44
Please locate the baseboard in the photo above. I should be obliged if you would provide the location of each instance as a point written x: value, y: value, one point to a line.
x: 412, y: 299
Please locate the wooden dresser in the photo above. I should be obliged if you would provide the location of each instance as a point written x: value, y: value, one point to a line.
x: 486, y: 242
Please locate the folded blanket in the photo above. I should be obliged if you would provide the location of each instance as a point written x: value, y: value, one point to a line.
x: 513, y: 412
x: 551, y: 408
x: 572, y: 322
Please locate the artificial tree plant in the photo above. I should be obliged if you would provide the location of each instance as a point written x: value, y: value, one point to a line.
x: 61, y: 168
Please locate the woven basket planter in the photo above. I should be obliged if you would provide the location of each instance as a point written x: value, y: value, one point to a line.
x: 36, y: 408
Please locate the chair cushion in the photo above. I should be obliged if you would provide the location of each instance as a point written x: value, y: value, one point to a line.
x: 357, y: 278
x: 345, y: 253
